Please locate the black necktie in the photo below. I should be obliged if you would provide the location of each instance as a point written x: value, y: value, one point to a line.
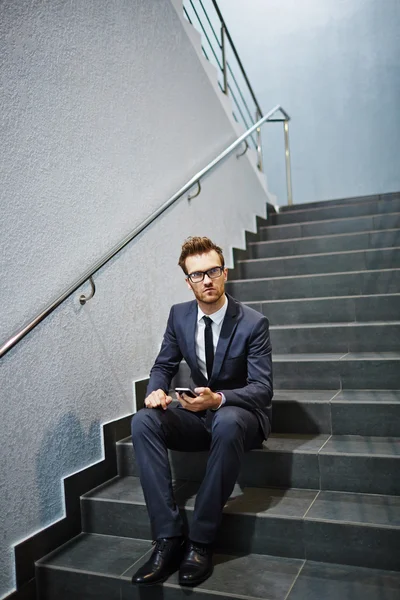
x: 209, y: 346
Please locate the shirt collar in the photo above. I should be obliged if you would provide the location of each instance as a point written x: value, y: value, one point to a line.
x: 216, y: 317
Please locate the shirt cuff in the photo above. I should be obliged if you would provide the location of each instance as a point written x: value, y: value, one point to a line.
x: 223, y: 400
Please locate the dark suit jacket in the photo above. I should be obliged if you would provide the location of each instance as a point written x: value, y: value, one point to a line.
x: 242, y: 368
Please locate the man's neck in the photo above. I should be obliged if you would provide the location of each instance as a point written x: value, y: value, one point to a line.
x: 210, y: 309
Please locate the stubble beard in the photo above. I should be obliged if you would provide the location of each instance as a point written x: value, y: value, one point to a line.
x: 210, y: 298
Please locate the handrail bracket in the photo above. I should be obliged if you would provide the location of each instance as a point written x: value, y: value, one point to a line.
x: 246, y: 147
x: 197, y: 193
x: 82, y: 298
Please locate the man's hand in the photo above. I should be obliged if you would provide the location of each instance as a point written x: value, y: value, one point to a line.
x: 157, y: 399
x: 205, y: 399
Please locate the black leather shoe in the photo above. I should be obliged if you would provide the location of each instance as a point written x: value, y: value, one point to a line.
x: 164, y: 560
x: 196, y: 565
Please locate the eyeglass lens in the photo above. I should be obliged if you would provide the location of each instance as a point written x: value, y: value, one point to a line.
x: 198, y: 276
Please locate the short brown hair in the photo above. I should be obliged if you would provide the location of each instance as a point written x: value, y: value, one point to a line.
x: 198, y: 245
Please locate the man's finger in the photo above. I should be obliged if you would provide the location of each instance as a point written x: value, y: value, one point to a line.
x: 155, y: 402
x: 157, y: 398
x: 182, y: 400
x: 189, y: 399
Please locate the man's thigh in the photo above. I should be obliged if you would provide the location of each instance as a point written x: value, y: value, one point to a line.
x: 236, y: 421
x: 183, y: 430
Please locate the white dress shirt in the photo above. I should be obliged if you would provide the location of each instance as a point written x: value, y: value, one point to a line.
x: 216, y: 325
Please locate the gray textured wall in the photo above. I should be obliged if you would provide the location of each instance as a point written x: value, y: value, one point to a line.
x: 106, y: 111
x: 334, y: 65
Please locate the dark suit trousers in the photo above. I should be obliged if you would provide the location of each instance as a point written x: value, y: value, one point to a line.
x: 226, y: 433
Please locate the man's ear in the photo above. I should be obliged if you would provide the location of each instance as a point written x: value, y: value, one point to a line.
x: 225, y: 274
x: 188, y: 284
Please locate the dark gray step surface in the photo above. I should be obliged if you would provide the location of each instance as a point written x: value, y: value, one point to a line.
x: 95, y: 567
x: 330, y: 371
x: 255, y: 520
x: 343, y: 211
x: 366, y: 240
x: 330, y: 310
x: 328, y: 227
x: 366, y: 413
x: 336, y: 262
x: 340, y: 201
x: 351, y: 412
x: 319, y: 581
x: 100, y: 567
x: 363, y: 464
x: 322, y: 285
x: 336, y: 337
x: 349, y: 371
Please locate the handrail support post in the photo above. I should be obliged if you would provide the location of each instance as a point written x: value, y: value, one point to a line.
x: 223, y: 49
x: 259, y: 143
x: 287, y: 161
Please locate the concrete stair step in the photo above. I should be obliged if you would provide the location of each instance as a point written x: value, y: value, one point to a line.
x: 255, y: 520
x: 99, y: 566
x: 334, y: 262
x: 348, y: 371
x: 354, y: 209
x: 329, y: 371
x: 351, y: 309
x: 366, y: 240
x: 328, y: 227
x: 340, y: 201
x: 351, y: 463
x: 321, y: 285
x: 350, y: 412
x: 99, y: 571
x: 335, y: 337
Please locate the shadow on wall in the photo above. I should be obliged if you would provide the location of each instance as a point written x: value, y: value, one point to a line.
x: 66, y: 448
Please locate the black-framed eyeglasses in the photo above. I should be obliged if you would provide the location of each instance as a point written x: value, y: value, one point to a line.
x: 198, y: 276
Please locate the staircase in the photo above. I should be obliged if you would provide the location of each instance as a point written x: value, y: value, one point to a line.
x: 316, y: 512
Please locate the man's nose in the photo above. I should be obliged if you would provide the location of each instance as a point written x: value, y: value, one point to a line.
x: 207, y: 278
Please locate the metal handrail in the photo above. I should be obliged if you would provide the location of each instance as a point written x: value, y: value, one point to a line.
x: 116, y: 249
x: 228, y: 35
x: 224, y: 67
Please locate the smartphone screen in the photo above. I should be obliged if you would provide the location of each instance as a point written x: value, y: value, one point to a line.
x: 187, y: 391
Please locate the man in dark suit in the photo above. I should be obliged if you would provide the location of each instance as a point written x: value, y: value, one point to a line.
x: 227, y: 348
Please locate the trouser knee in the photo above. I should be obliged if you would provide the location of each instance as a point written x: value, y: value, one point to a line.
x: 143, y: 421
x: 227, y: 426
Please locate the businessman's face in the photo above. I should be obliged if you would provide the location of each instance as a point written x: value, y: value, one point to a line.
x: 209, y: 292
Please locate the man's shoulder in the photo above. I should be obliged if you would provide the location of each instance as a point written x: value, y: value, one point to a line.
x: 183, y: 307
x: 247, y: 313
x: 251, y: 315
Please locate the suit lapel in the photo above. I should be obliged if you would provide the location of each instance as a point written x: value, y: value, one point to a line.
x: 228, y: 327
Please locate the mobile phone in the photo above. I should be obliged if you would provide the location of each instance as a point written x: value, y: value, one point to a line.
x: 187, y: 391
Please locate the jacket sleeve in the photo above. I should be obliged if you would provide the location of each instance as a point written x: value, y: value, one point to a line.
x: 167, y: 362
x: 258, y: 391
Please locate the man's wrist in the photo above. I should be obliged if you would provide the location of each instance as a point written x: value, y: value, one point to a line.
x: 219, y: 400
